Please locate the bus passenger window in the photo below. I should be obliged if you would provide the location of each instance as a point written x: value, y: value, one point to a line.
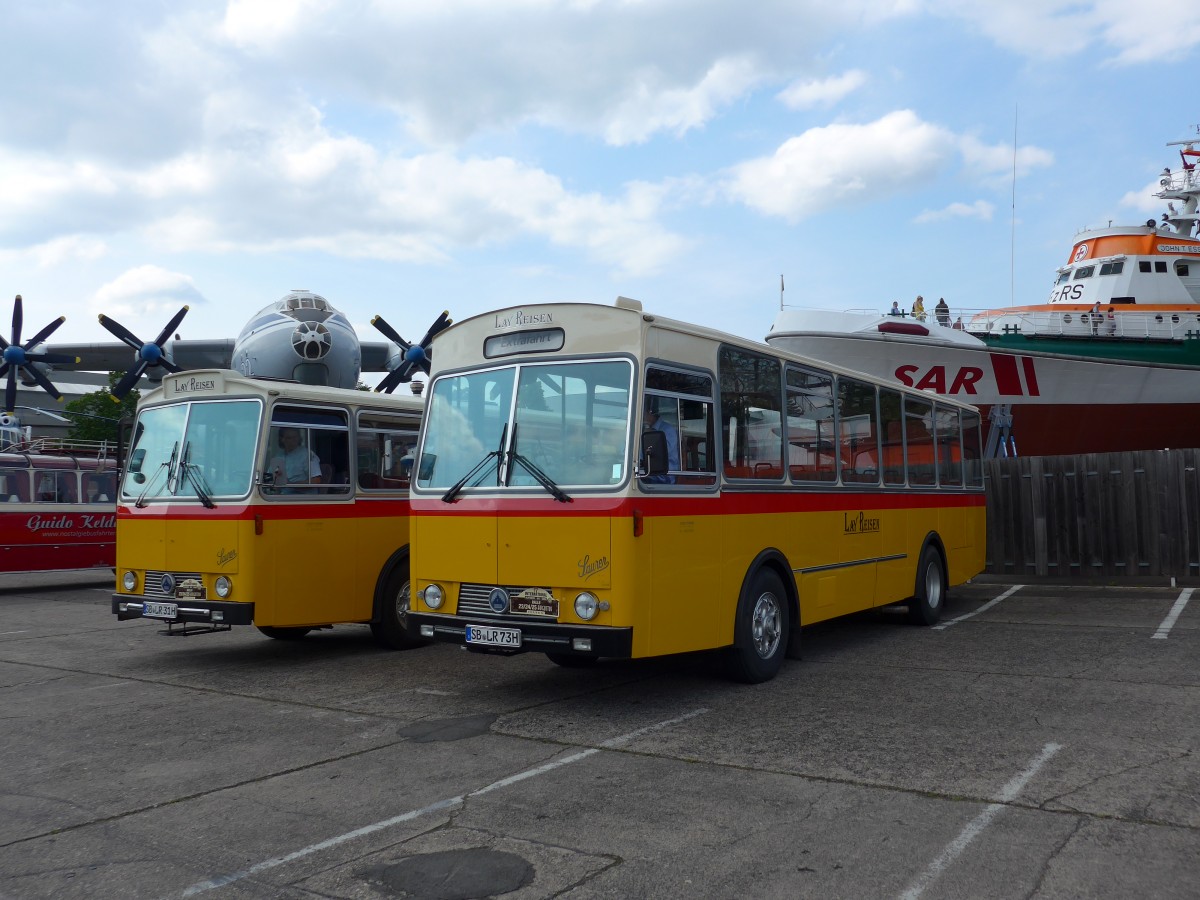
x: 858, y: 432
x: 810, y: 426
x: 385, y: 449
x: 751, y: 414
x: 918, y: 436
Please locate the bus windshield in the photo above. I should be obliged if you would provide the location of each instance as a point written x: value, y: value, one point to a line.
x: 569, y: 421
x: 196, y: 449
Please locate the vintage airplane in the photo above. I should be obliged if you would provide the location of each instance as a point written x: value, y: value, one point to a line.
x: 300, y: 337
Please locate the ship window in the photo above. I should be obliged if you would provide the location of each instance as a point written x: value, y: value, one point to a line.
x: 1160, y: 265
x: 1181, y: 269
x: 1112, y: 268
x: 1144, y: 265
x: 1084, y: 272
x: 1064, y: 277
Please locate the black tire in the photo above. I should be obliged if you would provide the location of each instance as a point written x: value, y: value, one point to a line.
x: 388, y: 627
x: 284, y: 634
x: 572, y: 661
x: 927, y: 603
x: 760, y: 633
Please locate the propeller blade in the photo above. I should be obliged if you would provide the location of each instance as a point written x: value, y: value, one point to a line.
x: 18, y: 319
x: 390, y: 333
x: 120, y: 331
x: 34, y: 373
x: 392, y: 379
x: 3, y: 343
x: 45, y: 333
x: 10, y: 391
x: 171, y: 326
x: 54, y: 359
x: 128, y: 380
x: 3, y: 370
x: 169, y: 366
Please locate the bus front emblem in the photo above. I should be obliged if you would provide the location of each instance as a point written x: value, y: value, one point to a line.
x: 498, y: 600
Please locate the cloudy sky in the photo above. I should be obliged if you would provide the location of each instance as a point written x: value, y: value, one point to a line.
x: 402, y: 157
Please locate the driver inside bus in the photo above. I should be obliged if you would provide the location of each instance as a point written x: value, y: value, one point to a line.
x: 296, y: 465
x: 654, y: 422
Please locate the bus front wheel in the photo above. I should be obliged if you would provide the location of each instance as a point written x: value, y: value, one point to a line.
x: 391, y: 611
x: 760, y: 633
x: 925, y: 608
x: 283, y: 634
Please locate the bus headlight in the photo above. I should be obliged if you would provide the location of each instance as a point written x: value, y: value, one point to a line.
x: 129, y: 581
x: 586, y: 606
x: 433, y: 596
x: 224, y: 586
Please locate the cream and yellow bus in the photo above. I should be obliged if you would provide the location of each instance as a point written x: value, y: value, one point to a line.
x: 285, y: 506
x: 595, y: 481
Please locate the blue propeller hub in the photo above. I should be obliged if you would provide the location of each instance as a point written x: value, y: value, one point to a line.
x: 14, y: 355
x: 415, y: 354
x: 151, y: 353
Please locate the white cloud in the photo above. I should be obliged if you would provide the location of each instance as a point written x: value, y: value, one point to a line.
x: 145, y: 292
x: 1135, y: 33
x: 806, y: 94
x: 842, y: 164
x: 980, y: 209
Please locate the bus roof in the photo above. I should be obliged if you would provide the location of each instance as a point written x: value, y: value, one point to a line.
x: 593, y: 328
x: 210, y: 383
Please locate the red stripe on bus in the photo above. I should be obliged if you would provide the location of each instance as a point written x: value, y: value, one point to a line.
x: 728, y: 503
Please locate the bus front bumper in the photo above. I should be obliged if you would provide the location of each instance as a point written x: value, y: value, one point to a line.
x: 133, y: 606
x: 535, y: 637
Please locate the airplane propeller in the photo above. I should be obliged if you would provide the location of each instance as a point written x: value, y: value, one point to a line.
x: 416, y: 356
x: 19, y: 357
x: 149, y: 353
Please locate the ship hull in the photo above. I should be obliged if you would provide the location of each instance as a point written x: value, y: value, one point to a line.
x: 1060, y: 403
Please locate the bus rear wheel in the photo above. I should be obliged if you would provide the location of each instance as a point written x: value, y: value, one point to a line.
x: 284, y: 634
x: 388, y: 627
x: 760, y: 632
x: 925, y: 608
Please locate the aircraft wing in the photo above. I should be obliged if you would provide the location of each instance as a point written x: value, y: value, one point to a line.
x: 375, y: 355
x: 117, y: 357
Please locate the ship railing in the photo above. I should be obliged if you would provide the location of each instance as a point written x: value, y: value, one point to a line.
x: 1073, y: 323
x: 1183, y: 180
x: 98, y: 450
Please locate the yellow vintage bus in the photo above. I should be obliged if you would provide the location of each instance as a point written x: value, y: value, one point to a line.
x: 246, y: 501
x: 595, y: 481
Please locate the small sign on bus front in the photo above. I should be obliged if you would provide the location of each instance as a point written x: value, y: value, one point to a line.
x: 539, y: 341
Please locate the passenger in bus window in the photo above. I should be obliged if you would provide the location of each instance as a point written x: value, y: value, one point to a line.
x: 47, y: 491
x: 654, y: 422
x: 296, y: 465
x: 94, y: 494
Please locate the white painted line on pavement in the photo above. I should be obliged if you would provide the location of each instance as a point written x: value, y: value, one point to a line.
x: 26, y: 631
x: 1169, y: 622
x: 976, y: 826
x: 448, y: 803
x: 1012, y: 590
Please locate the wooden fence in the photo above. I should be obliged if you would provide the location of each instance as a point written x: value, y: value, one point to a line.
x: 1106, y: 515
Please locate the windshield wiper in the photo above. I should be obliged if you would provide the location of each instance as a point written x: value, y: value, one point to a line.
x: 196, y: 477
x: 451, y: 495
x: 538, y: 475
x: 167, y: 464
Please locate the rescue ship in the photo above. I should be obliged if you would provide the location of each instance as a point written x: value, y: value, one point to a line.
x: 1110, y: 362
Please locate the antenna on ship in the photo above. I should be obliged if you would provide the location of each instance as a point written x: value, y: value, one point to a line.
x: 1012, y: 240
x: 781, y: 291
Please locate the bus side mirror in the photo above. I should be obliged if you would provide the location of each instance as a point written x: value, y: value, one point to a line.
x: 267, y: 479
x: 425, y: 470
x: 136, y: 459
x: 654, y: 453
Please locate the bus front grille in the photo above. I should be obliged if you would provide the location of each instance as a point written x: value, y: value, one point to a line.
x: 473, y: 600
x: 154, y: 582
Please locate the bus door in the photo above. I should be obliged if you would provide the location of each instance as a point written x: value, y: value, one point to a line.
x: 685, y: 546
x: 309, y: 521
